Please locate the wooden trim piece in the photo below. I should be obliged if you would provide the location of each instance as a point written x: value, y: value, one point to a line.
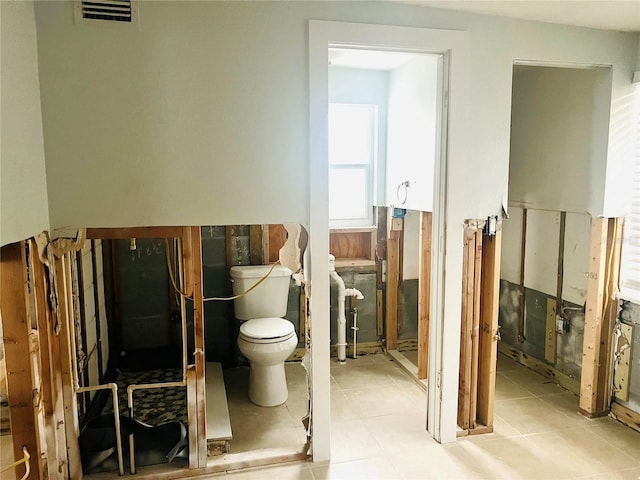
x: 489, y: 307
x: 593, y: 316
x: 133, y: 232
x: 570, y: 383
x: 198, y: 322
x: 16, y: 332
x: 424, y: 292
x: 626, y: 416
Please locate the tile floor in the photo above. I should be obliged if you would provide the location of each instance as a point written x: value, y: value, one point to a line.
x: 378, y: 418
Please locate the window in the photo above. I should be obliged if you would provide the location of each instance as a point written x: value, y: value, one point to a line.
x: 630, y: 268
x: 352, y: 157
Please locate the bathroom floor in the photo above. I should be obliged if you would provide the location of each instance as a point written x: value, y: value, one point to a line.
x: 379, y: 414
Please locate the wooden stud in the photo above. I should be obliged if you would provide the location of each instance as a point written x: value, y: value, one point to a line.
x: 593, y: 317
x: 198, y: 322
x: 475, y: 328
x: 610, y: 313
x: 192, y: 417
x: 379, y: 313
x: 464, y: 385
x: 133, y: 232
x: 303, y: 317
x: 65, y: 302
x: 96, y: 302
x: 16, y: 332
x: 424, y: 292
x: 626, y: 416
x: 489, y: 307
x: 56, y: 444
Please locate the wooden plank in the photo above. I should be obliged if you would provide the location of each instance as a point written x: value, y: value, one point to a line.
x: 475, y: 328
x: 393, y: 266
x: 626, y: 416
x: 352, y: 244
x: 16, y: 331
x: 187, y: 261
x: 96, y: 302
x: 570, y: 383
x: 379, y: 313
x: 55, y: 447
x: 550, y: 339
x: 610, y: 313
x: 218, y: 422
x: 65, y: 299
x: 464, y: 385
x: 488, y: 344
x: 198, y: 322
x: 192, y: 416
x: 593, y: 316
x: 133, y: 232
x: 424, y: 292
x: 255, y: 244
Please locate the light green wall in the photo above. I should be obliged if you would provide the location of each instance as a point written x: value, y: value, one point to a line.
x: 200, y: 116
x: 24, y: 210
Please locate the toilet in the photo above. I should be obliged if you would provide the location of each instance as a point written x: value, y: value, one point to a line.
x: 265, y: 338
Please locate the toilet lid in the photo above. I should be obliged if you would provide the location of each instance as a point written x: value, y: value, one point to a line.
x: 266, y: 328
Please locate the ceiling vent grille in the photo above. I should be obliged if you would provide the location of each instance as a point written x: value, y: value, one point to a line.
x: 120, y: 11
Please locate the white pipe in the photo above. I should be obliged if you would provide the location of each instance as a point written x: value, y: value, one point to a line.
x: 343, y: 292
x: 71, y: 333
x: 355, y: 332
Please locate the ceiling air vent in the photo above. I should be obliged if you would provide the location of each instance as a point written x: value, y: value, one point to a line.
x: 120, y: 11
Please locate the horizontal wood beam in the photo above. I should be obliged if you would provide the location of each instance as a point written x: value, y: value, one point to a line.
x: 133, y: 232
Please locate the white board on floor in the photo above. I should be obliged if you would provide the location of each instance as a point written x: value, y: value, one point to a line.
x: 218, y: 422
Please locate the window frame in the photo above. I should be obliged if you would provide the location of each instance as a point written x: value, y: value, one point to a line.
x: 369, y: 169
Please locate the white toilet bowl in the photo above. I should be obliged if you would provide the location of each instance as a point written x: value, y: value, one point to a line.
x: 267, y: 343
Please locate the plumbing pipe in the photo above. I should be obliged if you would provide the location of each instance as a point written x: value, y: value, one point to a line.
x: 355, y: 329
x: 71, y: 332
x: 343, y: 292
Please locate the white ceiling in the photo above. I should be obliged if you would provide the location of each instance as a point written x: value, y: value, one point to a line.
x: 605, y: 14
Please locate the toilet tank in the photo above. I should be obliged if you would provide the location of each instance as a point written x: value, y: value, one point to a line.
x: 269, y: 299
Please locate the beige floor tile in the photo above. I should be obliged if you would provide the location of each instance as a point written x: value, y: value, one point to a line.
x: 298, y: 471
x: 363, y: 376
x: 532, y: 415
x: 432, y: 462
x: 341, y: 408
x: 388, y: 399
x: 400, y: 431
x: 579, y: 452
x: 507, y: 389
x: 618, y: 435
x: 369, y: 469
x: 247, y: 438
x: 351, y: 440
x: 626, y: 474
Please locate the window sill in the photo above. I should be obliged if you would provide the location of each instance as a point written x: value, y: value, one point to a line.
x: 353, y: 229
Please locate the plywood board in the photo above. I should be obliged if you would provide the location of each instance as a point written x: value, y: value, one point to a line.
x: 424, y: 293
x: 393, y: 264
x: 541, y: 251
x: 623, y: 363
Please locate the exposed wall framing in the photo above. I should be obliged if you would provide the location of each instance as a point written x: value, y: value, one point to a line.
x: 601, y: 309
x: 479, y: 329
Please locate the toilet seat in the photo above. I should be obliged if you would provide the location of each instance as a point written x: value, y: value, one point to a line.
x: 267, y: 330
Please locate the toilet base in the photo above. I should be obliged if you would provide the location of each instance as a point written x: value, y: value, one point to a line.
x: 268, y: 385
